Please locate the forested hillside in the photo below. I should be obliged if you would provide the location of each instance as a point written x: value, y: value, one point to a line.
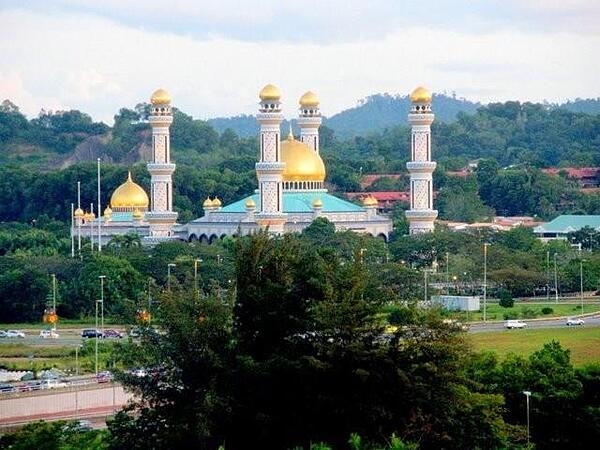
x: 43, y: 158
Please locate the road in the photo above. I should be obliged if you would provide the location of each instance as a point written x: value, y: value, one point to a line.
x: 592, y: 320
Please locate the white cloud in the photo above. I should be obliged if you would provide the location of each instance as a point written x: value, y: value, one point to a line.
x: 98, y: 66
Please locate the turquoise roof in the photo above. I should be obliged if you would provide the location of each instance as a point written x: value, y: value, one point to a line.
x: 568, y: 223
x: 299, y: 202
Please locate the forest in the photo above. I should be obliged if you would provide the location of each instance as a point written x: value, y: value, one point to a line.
x: 43, y: 158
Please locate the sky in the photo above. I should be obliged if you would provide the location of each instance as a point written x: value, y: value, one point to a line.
x: 215, y: 56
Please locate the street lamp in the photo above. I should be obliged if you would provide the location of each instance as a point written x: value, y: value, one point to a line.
x: 96, y: 352
x: 362, y: 253
x: 527, y: 395
x: 169, y: 275
x: 102, y: 277
x: 196, y: 262
x: 581, y: 283
x: 485, y: 246
x: 54, y: 299
x: 555, y: 281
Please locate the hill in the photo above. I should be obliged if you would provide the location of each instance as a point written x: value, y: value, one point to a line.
x: 372, y: 114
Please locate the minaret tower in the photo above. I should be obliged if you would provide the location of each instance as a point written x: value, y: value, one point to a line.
x: 310, y: 120
x: 161, y: 216
x: 421, y: 215
x: 270, y: 168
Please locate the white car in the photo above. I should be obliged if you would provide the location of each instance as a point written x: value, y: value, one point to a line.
x: 510, y: 324
x: 49, y: 334
x: 15, y: 334
x: 575, y: 321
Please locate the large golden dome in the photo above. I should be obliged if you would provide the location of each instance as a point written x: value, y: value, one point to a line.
x: 269, y: 93
x: 301, y: 163
x: 309, y: 100
x: 160, y: 97
x: 420, y: 95
x: 129, y: 196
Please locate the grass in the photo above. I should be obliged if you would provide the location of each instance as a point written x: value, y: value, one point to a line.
x: 584, y: 343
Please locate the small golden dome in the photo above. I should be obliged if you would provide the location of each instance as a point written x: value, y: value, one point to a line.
x: 89, y: 216
x: 129, y: 195
x: 160, y: 97
x: 207, y: 203
x: 108, y: 211
x: 250, y: 203
x: 137, y: 214
x: 216, y: 202
x: 309, y: 100
x: 79, y: 213
x: 301, y: 162
x: 420, y: 95
x: 370, y: 201
x: 270, y: 93
x: 317, y: 203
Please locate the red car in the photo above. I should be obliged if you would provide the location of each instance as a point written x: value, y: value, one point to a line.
x: 112, y: 334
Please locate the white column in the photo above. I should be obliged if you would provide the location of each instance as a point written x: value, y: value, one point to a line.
x: 421, y: 215
x: 161, y: 216
x: 269, y: 168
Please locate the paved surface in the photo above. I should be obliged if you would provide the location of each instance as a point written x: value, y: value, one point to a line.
x: 591, y: 320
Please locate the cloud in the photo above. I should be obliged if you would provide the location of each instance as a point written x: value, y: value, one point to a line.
x: 318, y: 21
x: 98, y: 65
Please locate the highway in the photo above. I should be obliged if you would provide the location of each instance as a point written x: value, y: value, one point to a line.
x: 591, y: 320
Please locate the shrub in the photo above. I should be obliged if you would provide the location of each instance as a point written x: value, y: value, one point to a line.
x: 547, y: 310
x: 506, y: 300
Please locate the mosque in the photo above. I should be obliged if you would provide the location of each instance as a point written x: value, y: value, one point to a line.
x: 290, y: 194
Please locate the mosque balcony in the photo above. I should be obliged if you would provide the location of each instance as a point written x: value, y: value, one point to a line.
x: 163, y: 118
x: 415, y: 118
x: 161, y: 168
x: 421, y: 166
x: 421, y: 214
x: 270, y: 116
x: 270, y: 166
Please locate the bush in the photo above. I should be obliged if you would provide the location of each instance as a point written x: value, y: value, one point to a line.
x: 506, y: 300
x: 547, y: 310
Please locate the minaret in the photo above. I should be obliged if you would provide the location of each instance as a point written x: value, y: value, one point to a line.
x: 421, y: 215
x: 269, y: 169
x: 161, y: 217
x: 309, y: 120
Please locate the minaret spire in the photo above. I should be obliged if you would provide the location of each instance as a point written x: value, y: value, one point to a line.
x: 269, y: 169
x: 421, y: 215
x: 161, y: 216
x: 309, y: 120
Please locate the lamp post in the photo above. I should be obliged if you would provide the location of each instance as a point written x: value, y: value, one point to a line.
x: 485, y: 246
x: 527, y: 395
x: 54, y: 299
x: 169, y: 275
x: 555, y: 281
x: 102, y: 277
x: 581, y: 283
x: 196, y: 262
x: 96, y: 352
x: 447, y: 273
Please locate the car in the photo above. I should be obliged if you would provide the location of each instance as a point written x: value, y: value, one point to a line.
x: 49, y: 334
x: 91, y: 333
x: 135, y: 332
x: 6, y: 388
x: 108, y: 334
x: 53, y: 383
x: 575, y: 321
x: 104, y: 377
x: 15, y: 334
x: 3, y: 334
x: 511, y: 324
